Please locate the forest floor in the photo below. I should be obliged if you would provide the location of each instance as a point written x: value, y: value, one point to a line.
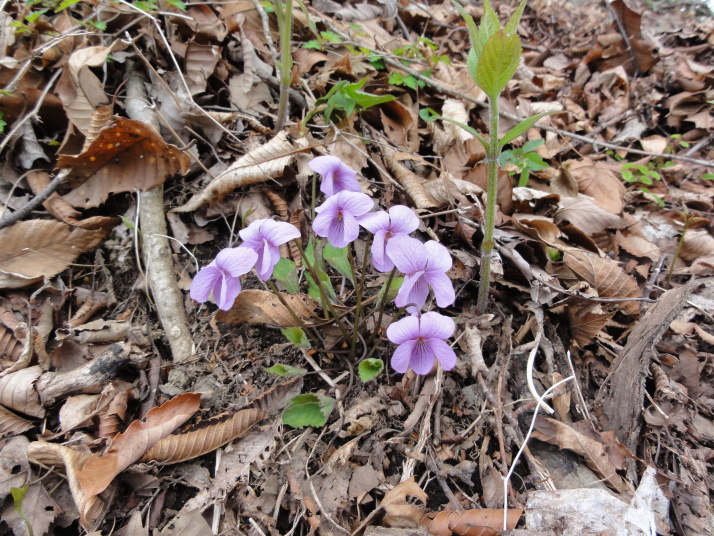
x: 138, y: 140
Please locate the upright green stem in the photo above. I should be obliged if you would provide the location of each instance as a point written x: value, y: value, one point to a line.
x: 358, y: 310
x: 382, y: 305
x: 491, y: 194
x: 295, y: 316
x: 284, y: 13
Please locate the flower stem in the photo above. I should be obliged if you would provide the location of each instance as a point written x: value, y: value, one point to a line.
x: 295, y: 316
x: 491, y: 201
x: 284, y: 13
x: 382, y: 305
x: 358, y: 295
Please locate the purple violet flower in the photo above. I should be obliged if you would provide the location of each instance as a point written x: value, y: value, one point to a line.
x: 264, y: 236
x: 222, y: 277
x: 339, y: 216
x: 420, y: 340
x: 400, y: 221
x: 336, y: 175
x: 423, y: 266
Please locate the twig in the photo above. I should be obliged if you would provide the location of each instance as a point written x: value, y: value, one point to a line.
x: 36, y: 201
x: 624, y: 36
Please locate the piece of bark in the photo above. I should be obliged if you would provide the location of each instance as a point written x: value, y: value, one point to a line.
x: 91, y: 378
x: 156, y: 251
x: 620, y: 399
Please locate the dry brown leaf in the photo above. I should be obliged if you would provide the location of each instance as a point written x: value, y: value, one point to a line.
x: 12, y: 425
x: 199, y: 62
x: 597, y: 181
x: 397, y: 121
x: 697, y: 243
x: 398, y: 512
x: 265, y: 162
x: 593, y: 451
x: 274, y: 398
x: 91, y: 507
x: 99, y: 471
x: 203, y: 438
x: 62, y: 210
x: 411, y: 183
x: 443, y: 189
x: 587, y: 321
x: 587, y: 216
x: 127, y: 155
x: 34, y: 249
x: 10, y: 346
x: 542, y: 229
x: 605, y: 276
x: 17, y: 392
x: 264, y: 307
x: 484, y: 522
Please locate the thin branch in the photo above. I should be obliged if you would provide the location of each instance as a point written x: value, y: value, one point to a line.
x: 36, y: 201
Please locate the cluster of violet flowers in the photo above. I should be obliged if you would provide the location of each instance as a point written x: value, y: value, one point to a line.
x: 420, y: 338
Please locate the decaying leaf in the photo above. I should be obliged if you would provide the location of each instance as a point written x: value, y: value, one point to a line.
x: 398, y: 511
x: 127, y: 155
x: 34, y: 249
x: 413, y: 186
x: 99, y: 471
x: 203, y: 438
x: 444, y: 189
x: 587, y: 321
x: 277, y: 396
x: 259, y: 165
x: 17, y: 392
x: 12, y: 425
x: 263, y: 307
x: 605, y: 276
x: 484, y: 522
x: 597, y: 181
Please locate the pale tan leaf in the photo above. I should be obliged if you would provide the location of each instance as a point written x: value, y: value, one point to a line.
x: 638, y: 246
x: 605, y: 276
x: 597, y: 181
x: 264, y: 307
x: 259, y: 165
x: 398, y: 510
x: 482, y: 522
x: 697, y: 243
x: 12, y: 425
x: 411, y: 183
x: 587, y: 216
x: 593, y: 451
x: 443, y: 189
x: 203, y: 438
x: 34, y: 249
x: 91, y: 507
x: 455, y: 109
x: 200, y: 62
x: 127, y: 155
x: 17, y: 392
x: 99, y: 471
x: 10, y: 346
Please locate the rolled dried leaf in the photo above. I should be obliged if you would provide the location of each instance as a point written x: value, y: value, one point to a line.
x: 264, y: 307
x: 411, y: 183
x: 204, y: 437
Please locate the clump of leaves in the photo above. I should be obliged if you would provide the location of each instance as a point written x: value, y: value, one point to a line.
x: 642, y: 174
x: 524, y: 159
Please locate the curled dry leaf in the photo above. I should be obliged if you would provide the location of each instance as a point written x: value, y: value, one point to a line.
x: 605, y: 276
x: 398, y: 512
x: 597, y: 181
x: 99, y: 471
x: 697, y: 243
x: 127, y: 155
x: 203, y: 438
x: 587, y: 321
x: 34, y: 249
x: 259, y: 165
x: 443, y: 189
x: 277, y: 396
x: 484, y: 522
x: 12, y: 425
x: 91, y: 507
x: 594, y: 452
x: 264, y: 307
x: 411, y: 183
x: 587, y: 216
x: 10, y: 346
x: 17, y: 392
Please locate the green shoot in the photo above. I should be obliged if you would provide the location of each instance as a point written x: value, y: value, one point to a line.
x: 524, y: 159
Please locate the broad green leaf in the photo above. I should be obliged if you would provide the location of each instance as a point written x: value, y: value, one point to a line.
x: 470, y: 24
x: 65, y: 4
x: 338, y: 259
x: 393, y: 289
x: 498, y: 63
x: 488, y: 26
x: 532, y: 145
x: 297, y: 337
x: 370, y: 369
x: 428, y: 115
x: 521, y: 128
x: 472, y: 64
x: 308, y: 410
x: 287, y: 274
x: 327, y: 287
x: 285, y: 370
x: 471, y: 131
x: 512, y: 24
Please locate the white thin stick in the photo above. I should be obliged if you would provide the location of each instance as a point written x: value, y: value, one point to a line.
x: 529, y: 378
x: 507, y: 478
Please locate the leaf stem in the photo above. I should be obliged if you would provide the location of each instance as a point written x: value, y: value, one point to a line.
x: 292, y: 312
x: 382, y: 305
x: 284, y: 13
x: 491, y: 201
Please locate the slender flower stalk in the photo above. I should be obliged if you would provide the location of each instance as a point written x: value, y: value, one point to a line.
x: 284, y: 14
